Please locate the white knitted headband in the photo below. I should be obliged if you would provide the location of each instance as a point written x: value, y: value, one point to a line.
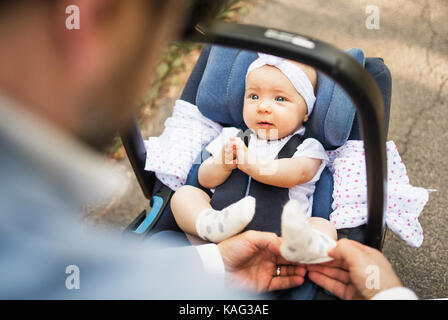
x: 297, y: 77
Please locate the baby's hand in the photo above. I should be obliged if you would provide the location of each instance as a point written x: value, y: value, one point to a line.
x: 243, y: 156
x: 229, y: 154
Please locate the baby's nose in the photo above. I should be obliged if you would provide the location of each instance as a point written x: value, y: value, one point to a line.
x: 264, y: 106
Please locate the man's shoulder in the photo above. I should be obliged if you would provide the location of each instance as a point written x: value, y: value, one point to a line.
x: 24, y: 187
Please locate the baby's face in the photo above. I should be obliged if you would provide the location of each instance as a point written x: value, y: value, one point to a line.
x: 273, y: 108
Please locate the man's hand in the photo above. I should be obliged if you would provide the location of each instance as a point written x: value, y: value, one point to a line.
x: 251, y: 260
x: 350, y: 275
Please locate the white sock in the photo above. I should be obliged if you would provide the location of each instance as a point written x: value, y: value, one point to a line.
x: 215, y: 226
x: 300, y: 242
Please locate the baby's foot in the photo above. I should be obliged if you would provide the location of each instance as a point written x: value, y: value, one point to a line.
x: 300, y: 242
x: 215, y: 226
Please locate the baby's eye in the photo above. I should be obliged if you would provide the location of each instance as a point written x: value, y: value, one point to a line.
x: 280, y: 99
x: 253, y: 97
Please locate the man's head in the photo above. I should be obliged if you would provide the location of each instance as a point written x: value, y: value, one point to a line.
x: 85, y: 81
x: 277, y: 100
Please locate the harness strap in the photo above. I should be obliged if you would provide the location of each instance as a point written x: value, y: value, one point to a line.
x: 288, y: 149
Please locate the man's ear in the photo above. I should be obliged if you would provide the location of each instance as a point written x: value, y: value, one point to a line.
x: 79, y: 28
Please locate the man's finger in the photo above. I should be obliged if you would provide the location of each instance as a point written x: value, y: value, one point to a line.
x: 346, y: 251
x: 334, y: 273
x: 298, y: 270
x: 290, y: 270
x: 333, y: 264
x: 334, y: 286
x: 279, y: 283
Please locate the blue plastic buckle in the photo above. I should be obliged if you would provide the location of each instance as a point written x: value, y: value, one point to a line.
x: 157, y: 203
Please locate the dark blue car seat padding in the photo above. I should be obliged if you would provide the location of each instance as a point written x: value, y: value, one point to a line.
x: 221, y: 91
x: 332, y: 119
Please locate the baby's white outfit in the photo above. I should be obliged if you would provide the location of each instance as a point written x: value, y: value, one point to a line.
x: 268, y: 149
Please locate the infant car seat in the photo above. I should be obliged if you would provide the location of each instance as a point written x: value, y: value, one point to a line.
x: 332, y: 122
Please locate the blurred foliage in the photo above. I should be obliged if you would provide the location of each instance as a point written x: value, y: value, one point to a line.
x: 234, y: 9
x: 172, y: 60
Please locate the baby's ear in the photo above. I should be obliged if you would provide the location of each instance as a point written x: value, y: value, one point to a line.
x: 305, y: 119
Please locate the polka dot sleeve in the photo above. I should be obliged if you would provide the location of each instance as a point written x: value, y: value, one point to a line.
x: 404, y: 202
x: 186, y: 133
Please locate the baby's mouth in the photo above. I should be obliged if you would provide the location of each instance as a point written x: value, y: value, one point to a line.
x: 265, y: 124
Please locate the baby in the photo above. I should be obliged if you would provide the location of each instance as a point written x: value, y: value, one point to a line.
x: 279, y: 98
